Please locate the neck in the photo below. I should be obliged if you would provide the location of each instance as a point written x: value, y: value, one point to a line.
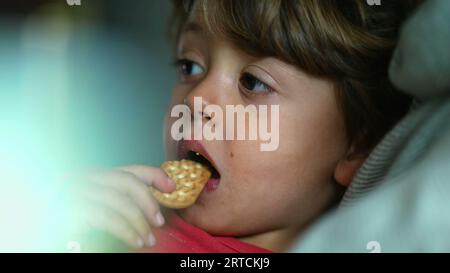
x: 277, y: 240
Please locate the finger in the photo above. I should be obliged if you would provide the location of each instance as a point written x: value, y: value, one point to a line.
x: 136, y: 190
x: 125, y: 208
x: 152, y: 176
x: 104, y: 219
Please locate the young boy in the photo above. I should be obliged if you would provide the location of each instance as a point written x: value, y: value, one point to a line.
x: 324, y: 63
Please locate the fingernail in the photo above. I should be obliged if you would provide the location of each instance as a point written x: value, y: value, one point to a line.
x: 140, y: 243
x: 159, y: 219
x: 151, y: 240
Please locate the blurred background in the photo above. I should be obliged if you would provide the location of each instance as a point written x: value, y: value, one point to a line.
x: 80, y: 86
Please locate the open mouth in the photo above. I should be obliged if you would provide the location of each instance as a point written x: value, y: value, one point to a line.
x: 197, y: 157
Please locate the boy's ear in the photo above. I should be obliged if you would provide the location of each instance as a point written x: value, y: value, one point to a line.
x: 348, y: 165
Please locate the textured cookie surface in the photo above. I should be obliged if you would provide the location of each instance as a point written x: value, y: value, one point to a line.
x: 190, y: 177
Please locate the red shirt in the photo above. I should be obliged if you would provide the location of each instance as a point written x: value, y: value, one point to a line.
x: 180, y: 237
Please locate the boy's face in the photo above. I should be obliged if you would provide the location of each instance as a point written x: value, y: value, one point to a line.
x: 259, y: 191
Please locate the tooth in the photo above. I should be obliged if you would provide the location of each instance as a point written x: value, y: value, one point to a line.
x: 198, y: 154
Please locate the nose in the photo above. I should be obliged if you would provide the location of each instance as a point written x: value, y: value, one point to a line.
x: 208, y: 91
x: 191, y: 105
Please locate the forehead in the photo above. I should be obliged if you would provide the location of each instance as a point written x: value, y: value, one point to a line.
x: 195, y: 21
x: 200, y: 20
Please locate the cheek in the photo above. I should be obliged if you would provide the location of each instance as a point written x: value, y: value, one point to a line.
x: 313, y: 134
x: 253, y: 174
x: 264, y: 192
x: 243, y: 162
x: 265, y: 173
x: 312, y: 140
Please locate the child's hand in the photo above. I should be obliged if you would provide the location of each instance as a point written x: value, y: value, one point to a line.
x: 119, y: 202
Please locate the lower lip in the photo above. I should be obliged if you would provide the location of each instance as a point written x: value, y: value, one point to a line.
x: 212, y: 184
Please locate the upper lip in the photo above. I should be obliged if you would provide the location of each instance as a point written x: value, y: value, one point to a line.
x: 185, y: 146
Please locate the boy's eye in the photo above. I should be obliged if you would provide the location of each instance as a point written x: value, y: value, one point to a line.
x: 253, y: 84
x: 189, y: 68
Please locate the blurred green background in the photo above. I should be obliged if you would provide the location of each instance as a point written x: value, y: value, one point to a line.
x: 80, y: 87
x: 88, y: 83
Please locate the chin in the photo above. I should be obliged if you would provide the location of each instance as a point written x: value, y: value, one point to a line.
x: 197, y: 216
